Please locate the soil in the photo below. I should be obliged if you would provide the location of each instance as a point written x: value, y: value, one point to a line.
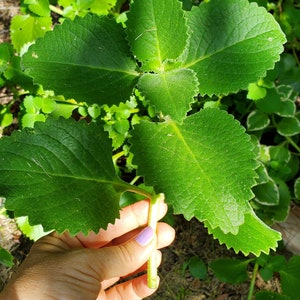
x: 192, y: 240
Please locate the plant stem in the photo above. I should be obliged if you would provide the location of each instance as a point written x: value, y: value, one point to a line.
x: 152, y: 222
x: 251, y: 288
x: 56, y: 10
x: 117, y: 156
x: 293, y: 143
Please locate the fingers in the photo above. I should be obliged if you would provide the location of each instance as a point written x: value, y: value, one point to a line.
x: 108, y: 283
x: 121, y: 260
x: 131, y: 217
x: 165, y: 236
x: 134, y: 289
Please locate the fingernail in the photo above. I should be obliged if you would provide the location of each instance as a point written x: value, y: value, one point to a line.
x: 145, y: 236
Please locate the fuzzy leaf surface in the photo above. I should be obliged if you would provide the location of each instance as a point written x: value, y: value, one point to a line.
x: 205, y: 166
x: 87, y: 59
x: 232, y: 43
x: 61, y: 175
x: 156, y: 31
x: 170, y: 92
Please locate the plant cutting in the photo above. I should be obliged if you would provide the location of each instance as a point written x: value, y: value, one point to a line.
x: 61, y: 174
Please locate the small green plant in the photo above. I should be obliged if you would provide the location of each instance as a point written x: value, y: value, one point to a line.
x: 61, y: 174
x: 233, y: 270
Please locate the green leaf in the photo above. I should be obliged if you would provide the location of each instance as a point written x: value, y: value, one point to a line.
x: 33, y: 232
x: 199, y: 165
x: 39, y: 7
x: 276, y: 263
x: 14, y: 74
x: 254, y: 236
x: 297, y: 188
x: 231, y: 270
x: 170, y: 92
x: 6, y: 53
x: 197, y: 268
x: 262, y: 173
x: 288, y: 126
x: 92, y: 61
x: 156, y: 32
x: 222, y: 59
x: 61, y: 175
x: 6, y: 258
x: 6, y: 117
x: 275, y: 102
x: 64, y: 109
x: 26, y: 29
x: 256, y: 92
x: 290, y: 278
x: 102, y: 7
x: 280, y: 154
x: 257, y: 120
x: 274, y: 213
x: 267, y: 295
x: 267, y: 193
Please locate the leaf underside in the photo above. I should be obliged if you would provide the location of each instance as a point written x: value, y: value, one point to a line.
x: 61, y: 175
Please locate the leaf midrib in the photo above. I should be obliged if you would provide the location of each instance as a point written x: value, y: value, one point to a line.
x: 194, y: 62
x: 89, y: 67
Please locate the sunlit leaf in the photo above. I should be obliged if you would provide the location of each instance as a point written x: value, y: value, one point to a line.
x: 61, y: 175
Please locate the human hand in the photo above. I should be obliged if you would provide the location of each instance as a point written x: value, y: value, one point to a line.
x: 85, y: 267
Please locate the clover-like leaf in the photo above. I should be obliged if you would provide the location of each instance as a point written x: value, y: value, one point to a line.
x: 26, y: 29
x: 92, y: 61
x: 156, y: 31
x: 288, y: 126
x: 170, y: 92
x: 232, y: 43
x: 61, y: 175
x: 205, y: 166
x: 257, y: 120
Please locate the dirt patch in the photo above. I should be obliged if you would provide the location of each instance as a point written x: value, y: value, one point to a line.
x: 7, y: 10
x: 192, y: 239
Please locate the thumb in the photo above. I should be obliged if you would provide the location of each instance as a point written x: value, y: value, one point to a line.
x: 121, y: 260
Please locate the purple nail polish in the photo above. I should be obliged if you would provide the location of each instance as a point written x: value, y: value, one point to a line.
x: 145, y: 236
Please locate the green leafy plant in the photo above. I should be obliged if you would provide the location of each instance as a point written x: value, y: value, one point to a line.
x: 236, y: 271
x: 61, y: 173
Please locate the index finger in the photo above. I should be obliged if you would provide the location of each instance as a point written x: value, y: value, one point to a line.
x: 131, y: 217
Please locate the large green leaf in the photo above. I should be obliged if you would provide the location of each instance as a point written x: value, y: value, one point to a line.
x: 156, y: 32
x: 170, y: 92
x: 231, y: 44
x: 87, y: 59
x: 205, y: 166
x: 61, y: 175
x: 253, y: 236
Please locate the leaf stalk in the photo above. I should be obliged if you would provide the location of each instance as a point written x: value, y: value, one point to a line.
x: 251, y: 288
x: 152, y: 222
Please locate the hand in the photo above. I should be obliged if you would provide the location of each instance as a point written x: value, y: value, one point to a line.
x: 63, y: 267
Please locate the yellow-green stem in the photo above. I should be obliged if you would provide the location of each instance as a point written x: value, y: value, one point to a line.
x: 56, y: 10
x: 152, y: 222
x: 251, y: 289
